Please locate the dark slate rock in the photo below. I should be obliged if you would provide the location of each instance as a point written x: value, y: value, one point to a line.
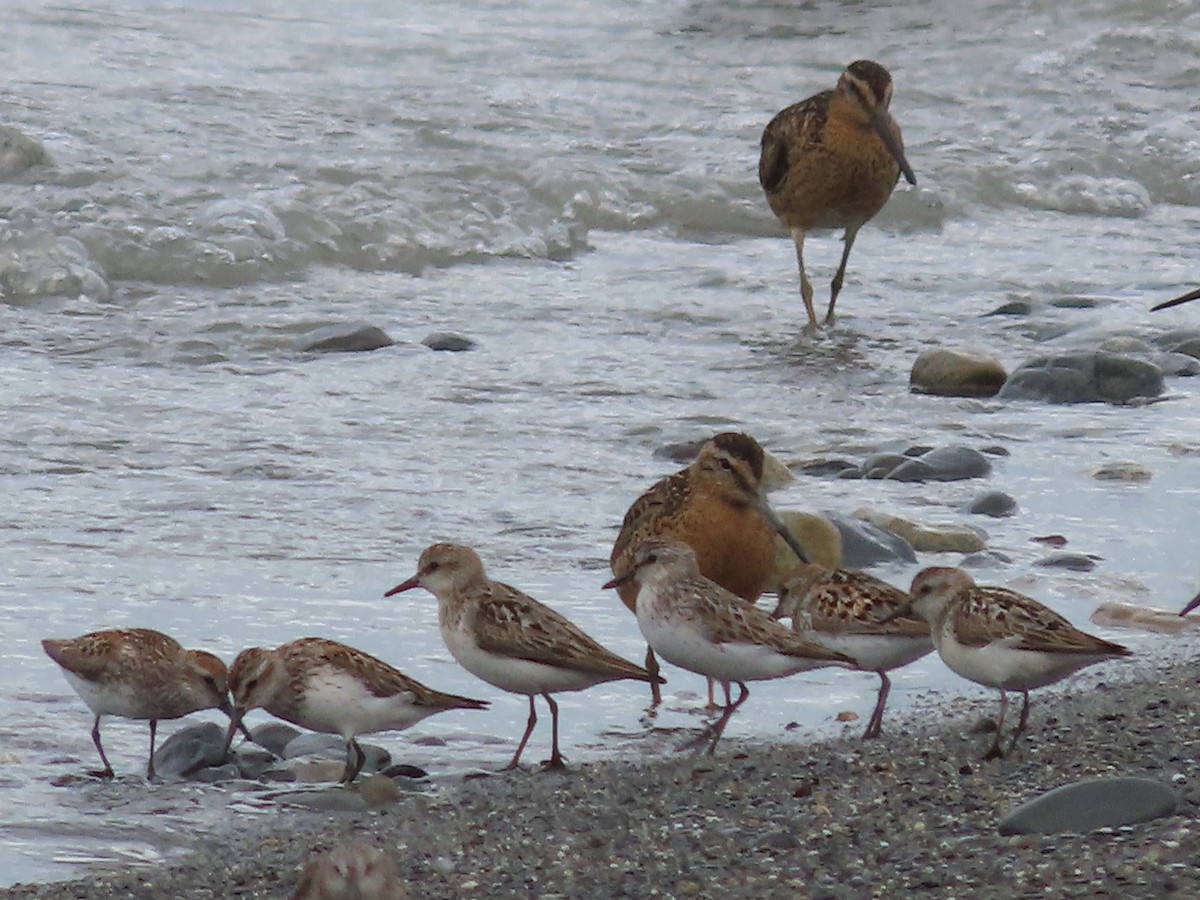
x: 1013, y: 308
x: 253, y: 761
x: 865, y: 545
x: 189, y: 750
x: 996, y: 504
x: 944, y: 464
x: 1088, y: 805
x: 275, y: 736
x: 404, y: 770
x: 827, y: 467
x: 1084, y: 377
x: 1074, y: 562
x: 353, y: 338
x: 449, y: 342
x: 985, y: 559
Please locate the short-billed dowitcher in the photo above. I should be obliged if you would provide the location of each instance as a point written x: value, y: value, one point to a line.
x: 137, y: 673
x: 1002, y: 639
x: 696, y: 624
x: 718, y: 506
x: 1186, y: 298
x: 844, y: 610
x: 510, y: 640
x: 831, y: 161
x: 325, y: 686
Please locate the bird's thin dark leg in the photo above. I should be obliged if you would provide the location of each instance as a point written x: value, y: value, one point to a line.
x: 875, y: 725
x: 355, y: 759
x: 653, y: 669
x: 994, y: 752
x: 107, y: 771
x: 836, y: 288
x: 556, y: 760
x: 150, y: 763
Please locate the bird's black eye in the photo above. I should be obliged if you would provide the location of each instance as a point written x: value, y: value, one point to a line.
x: 652, y: 557
x: 433, y: 567
x: 725, y: 464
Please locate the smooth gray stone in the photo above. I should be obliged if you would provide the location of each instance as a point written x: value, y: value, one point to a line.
x: 828, y: 467
x: 19, y: 152
x: 252, y: 761
x: 1188, y: 347
x: 865, y: 545
x: 1084, y: 377
x: 352, y: 338
x: 331, y: 746
x: 1088, y: 805
x: 1013, y: 308
x: 1075, y: 562
x: 996, y: 504
x: 449, y: 342
x: 218, y: 774
x: 1179, y: 365
x: 881, y: 465
x: 985, y: 559
x: 944, y: 464
x: 189, y: 750
x: 275, y: 736
x: 332, y: 799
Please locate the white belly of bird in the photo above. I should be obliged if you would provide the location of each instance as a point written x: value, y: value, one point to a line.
x: 874, y: 652
x: 510, y: 673
x: 1000, y: 665
x: 677, y: 641
x: 115, y: 698
x: 337, y: 703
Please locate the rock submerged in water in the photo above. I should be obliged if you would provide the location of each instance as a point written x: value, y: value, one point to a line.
x: 865, y: 545
x: 996, y: 504
x: 190, y: 750
x: 1084, y: 377
x: 952, y: 463
x: 356, y: 338
x: 1089, y: 805
x: 957, y: 373
x: 448, y: 342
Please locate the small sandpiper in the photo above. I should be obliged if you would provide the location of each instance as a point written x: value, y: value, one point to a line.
x: 325, y: 686
x: 693, y: 622
x: 354, y: 870
x: 831, y: 161
x: 510, y: 640
x: 718, y: 506
x: 844, y: 610
x: 138, y: 673
x: 1002, y: 639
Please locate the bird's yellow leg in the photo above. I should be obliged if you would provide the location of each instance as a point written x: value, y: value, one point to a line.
x: 806, y: 290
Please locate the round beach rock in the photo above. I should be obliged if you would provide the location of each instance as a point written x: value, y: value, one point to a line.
x: 957, y: 373
x: 954, y: 463
x: 1088, y: 805
x: 1084, y: 377
x: 189, y: 750
x: 344, y: 339
x: 865, y: 545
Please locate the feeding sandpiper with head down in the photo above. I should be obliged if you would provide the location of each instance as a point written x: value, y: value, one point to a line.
x: 325, y: 686
x: 138, y: 673
x: 718, y: 506
x: 510, y: 640
x: 831, y: 161
x: 693, y: 622
x: 845, y: 610
x: 1002, y: 639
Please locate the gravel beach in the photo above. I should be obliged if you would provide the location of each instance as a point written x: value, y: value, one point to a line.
x: 913, y: 812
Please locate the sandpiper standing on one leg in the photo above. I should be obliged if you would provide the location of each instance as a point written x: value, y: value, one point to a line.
x: 510, y: 640
x: 831, y: 161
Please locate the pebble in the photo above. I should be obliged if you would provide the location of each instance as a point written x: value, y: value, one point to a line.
x: 352, y: 338
x: 448, y: 342
x: 1092, y: 804
x: 995, y: 504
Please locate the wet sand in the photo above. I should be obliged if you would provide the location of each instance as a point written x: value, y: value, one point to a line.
x: 914, y: 811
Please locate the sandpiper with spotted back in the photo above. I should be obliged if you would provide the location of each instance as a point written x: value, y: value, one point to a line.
x: 693, y: 622
x: 844, y: 610
x: 831, y: 161
x: 509, y: 639
x: 718, y: 506
x: 1002, y: 639
x: 325, y: 686
x: 138, y: 673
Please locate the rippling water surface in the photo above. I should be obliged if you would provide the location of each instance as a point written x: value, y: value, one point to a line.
x: 573, y: 186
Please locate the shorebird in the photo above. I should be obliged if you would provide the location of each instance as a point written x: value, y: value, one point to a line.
x: 1167, y: 304
x: 717, y: 506
x: 831, y: 161
x: 1002, y: 639
x: 510, y: 640
x: 844, y: 609
x: 325, y: 686
x: 137, y: 673
x: 696, y: 624
x: 355, y: 870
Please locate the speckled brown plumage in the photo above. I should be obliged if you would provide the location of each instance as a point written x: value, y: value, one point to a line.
x: 831, y: 161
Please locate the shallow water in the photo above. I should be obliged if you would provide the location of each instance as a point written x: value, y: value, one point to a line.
x: 573, y: 187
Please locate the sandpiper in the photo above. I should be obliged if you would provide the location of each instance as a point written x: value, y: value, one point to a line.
x: 1002, y: 639
x: 138, y: 673
x: 844, y: 610
x: 510, y: 640
x: 1186, y: 298
x: 696, y: 624
x: 831, y: 161
x: 325, y: 686
x: 354, y: 870
x: 718, y: 506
